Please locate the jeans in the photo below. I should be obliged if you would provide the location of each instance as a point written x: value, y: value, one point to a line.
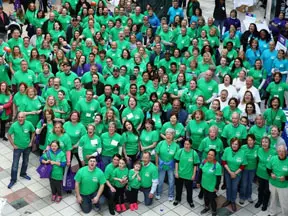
x: 106, y: 160
x: 109, y: 195
x: 220, y: 23
x: 147, y: 201
x: 171, y: 180
x: 263, y: 191
x: 189, y: 190
x: 246, y: 184
x: 16, y: 157
x: 87, y: 204
x: 231, y: 186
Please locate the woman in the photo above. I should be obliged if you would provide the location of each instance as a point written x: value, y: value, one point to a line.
x: 207, y: 62
x: 197, y: 128
x: 34, y: 62
x: 249, y: 35
x: 59, y: 134
x: 149, y: 138
x: 249, y: 172
x: 32, y: 106
x: 229, y: 110
x: 210, y: 176
x: 57, y: 31
x: 98, y: 123
x: 248, y: 98
x: 275, y: 138
x: 5, y: 107
x: 89, y: 145
x: 200, y: 105
x: 212, y: 112
x: 111, y: 144
x: 234, y: 161
x: 280, y: 64
x: 75, y: 130
x: 44, y: 128
x: 264, y: 155
x: 178, y: 127
x: 274, y: 115
x: 258, y: 73
x: 130, y: 143
x: 259, y: 129
x: 190, y: 95
x: 236, y: 67
x: 264, y: 39
x: 51, y: 103
x: 277, y: 23
x: 222, y: 69
x: 133, y: 113
x: 227, y: 84
x: 211, y: 142
x: 157, y: 115
x: 178, y: 88
x: 18, y: 98
x: 15, y: 59
x: 232, y: 20
x: 278, y: 172
x: 166, y: 102
x: 165, y: 153
x: 253, y: 53
x: 109, y: 105
x: 186, y: 162
x: 250, y: 114
x: 110, y: 116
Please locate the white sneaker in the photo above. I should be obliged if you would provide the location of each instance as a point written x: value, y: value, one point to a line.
x: 157, y: 197
x: 170, y: 199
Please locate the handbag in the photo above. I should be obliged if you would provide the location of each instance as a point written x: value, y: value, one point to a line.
x: 45, y: 170
x: 68, y: 180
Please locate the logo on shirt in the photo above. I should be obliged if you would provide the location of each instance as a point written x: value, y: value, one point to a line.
x: 95, y: 179
x: 147, y: 174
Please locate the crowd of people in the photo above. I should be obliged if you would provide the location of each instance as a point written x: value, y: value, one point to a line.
x: 135, y: 98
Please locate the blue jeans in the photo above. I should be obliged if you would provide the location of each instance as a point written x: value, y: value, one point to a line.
x: 147, y: 201
x: 220, y: 23
x: 16, y: 157
x: 231, y: 186
x: 106, y: 160
x: 171, y: 180
x: 87, y: 204
x: 246, y: 184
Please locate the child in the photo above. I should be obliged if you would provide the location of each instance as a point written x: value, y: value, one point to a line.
x: 134, y: 182
x: 57, y: 159
x: 120, y: 177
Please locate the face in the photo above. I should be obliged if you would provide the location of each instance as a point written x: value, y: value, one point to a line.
x: 169, y: 136
x: 92, y: 163
x: 90, y: 130
x: 51, y: 101
x: 249, y: 82
x: 74, y: 117
x: 235, y: 145
x: 235, y: 119
x: 24, y: 65
x: 198, y: 116
x: 215, y: 105
x: 132, y: 103
x: 146, y: 158
x: 275, y: 104
x: 89, y: 96
x: 250, y: 108
x: 21, y: 118
x: 3, y: 87
x: 187, y: 145
x: 212, y: 133
x: 282, y: 152
x: 128, y: 126
x: 232, y: 104
x: 274, y: 132
x: 176, y: 105
x: 200, y: 101
x: 208, y: 75
x: 137, y: 167
x: 31, y: 93
x: 58, y: 129
x: 265, y: 143
x: 156, y: 107
x: 111, y: 129
x: 250, y: 142
x: 54, y: 146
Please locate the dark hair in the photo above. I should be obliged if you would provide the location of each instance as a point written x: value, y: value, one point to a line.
x: 251, y: 136
x: 213, y: 150
x: 200, y: 112
x: 134, y: 131
x: 57, y: 142
x: 253, y: 105
x: 75, y: 112
x: 233, y: 99
x: 275, y: 98
x: 235, y: 139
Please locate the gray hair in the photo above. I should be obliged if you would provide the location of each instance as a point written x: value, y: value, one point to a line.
x: 214, y: 127
x: 170, y: 130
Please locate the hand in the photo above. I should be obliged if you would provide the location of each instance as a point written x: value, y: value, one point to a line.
x: 52, y: 162
x: 176, y: 175
x: 15, y: 147
x: 193, y: 177
x: 48, y: 162
x: 233, y: 175
x: 88, y: 156
x: 44, y: 125
x: 30, y: 144
x: 273, y: 176
x: 112, y: 189
x: 95, y: 200
x: 1, y: 107
x: 79, y: 199
x: 282, y: 178
x: 151, y: 195
x: 38, y: 112
x: 68, y: 163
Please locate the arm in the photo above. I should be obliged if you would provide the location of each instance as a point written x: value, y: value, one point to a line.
x: 150, y: 146
x: 32, y: 138
x: 110, y: 186
x: 9, y: 103
x: 77, y: 191
x: 154, y: 186
x: 176, y: 168
x: 214, y: 95
x: 99, y: 193
x: 11, y: 141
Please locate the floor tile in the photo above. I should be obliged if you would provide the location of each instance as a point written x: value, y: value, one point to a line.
x: 68, y: 211
x: 161, y: 209
x: 181, y: 210
x: 150, y: 213
x: 47, y: 211
x: 244, y: 212
x: 27, y: 210
x: 35, y: 186
x: 59, y: 206
x: 43, y: 192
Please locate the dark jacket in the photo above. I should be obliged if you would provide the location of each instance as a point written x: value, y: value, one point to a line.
x: 99, y: 87
x: 154, y: 55
x: 219, y: 11
x: 45, y: 27
x: 69, y: 32
x: 4, y: 22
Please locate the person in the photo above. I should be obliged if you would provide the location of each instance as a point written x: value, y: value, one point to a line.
x: 55, y: 157
x: 4, y: 21
x: 234, y: 161
x: 186, y: 163
x: 208, y: 86
x: 164, y: 160
x: 278, y: 180
x: 89, y: 185
x: 175, y: 11
x: 24, y: 133
x: 134, y: 182
x: 179, y: 111
x: 219, y: 15
x: 259, y: 129
x: 209, y: 177
x: 250, y: 169
x: 149, y: 178
x: 5, y: 107
x: 249, y: 87
x: 120, y: 178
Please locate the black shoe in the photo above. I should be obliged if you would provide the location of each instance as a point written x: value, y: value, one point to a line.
x: 200, y: 195
x: 175, y: 203
x: 258, y: 204
x: 11, y: 184
x: 26, y: 177
x: 5, y: 138
x: 204, y: 210
x: 233, y: 205
x: 214, y: 213
x: 69, y: 191
x: 111, y: 211
x: 192, y: 205
x: 223, y: 187
x: 226, y: 203
x: 264, y: 208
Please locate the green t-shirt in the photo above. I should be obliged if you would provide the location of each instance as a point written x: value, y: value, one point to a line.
x: 263, y: 158
x: 4, y: 99
x: 189, y: 97
x: 220, y: 125
x: 277, y: 90
x: 179, y: 129
x: 58, y: 156
x: 187, y: 161
x: 258, y: 132
x: 64, y: 140
x: 133, y: 182
x: 76, y: 95
x: 147, y: 174
x: 30, y: 105
x: 279, y: 168
x: 108, y: 173
x: 131, y: 142
x: 110, y: 145
x: 136, y: 115
x: 273, y: 117
x: 87, y: 110
x: 121, y: 174
x: 230, y: 131
x: 197, y: 131
x: 75, y: 132
x: 258, y: 76
x: 234, y: 159
x: 4, y: 70
x: 165, y: 151
x: 89, y: 181
x: 251, y: 156
x: 210, y: 171
x: 227, y: 113
x: 89, y: 145
x: 207, y: 144
x: 208, y: 88
x: 21, y: 133
x: 27, y: 77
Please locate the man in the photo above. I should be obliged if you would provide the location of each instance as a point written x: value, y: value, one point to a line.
x: 55, y: 89
x: 137, y: 17
x: 87, y: 77
x: 96, y: 85
x: 175, y: 11
x: 223, y: 99
x: 92, y: 61
x: 267, y: 57
x: 108, y: 93
x: 66, y: 77
x: 117, y: 79
x: 149, y: 178
x: 106, y: 17
x: 183, y: 40
x: 208, y: 86
x: 176, y: 108
x: 114, y: 53
x: 121, y: 42
x: 77, y: 93
x: 16, y: 40
x: 72, y: 28
x: 4, y: 21
x: 27, y: 47
x: 109, y: 190
x: 116, y: 30
x: 249, y: 87
x: 210, y: 24
x: 89, y: 185
x: 23, y: 133
x: 49, y: 24
x: 157, y: 55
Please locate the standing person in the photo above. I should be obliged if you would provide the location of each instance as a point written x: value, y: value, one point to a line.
x: 5, y: 107
x: 186, y: 162
x: 24, y: 133
x: 275, y: 115
x: 149, y: 178
x: 219, y: 15
x: 89, y: 185
x: 277, y: 169
x: 234, y: 161
x: 210, y: 176
x: 175, y: 10
x: 264, y: 154
x: 57, y: 159
x: 134, y: 183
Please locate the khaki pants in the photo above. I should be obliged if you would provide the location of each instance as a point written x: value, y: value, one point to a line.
x: 280, y: 194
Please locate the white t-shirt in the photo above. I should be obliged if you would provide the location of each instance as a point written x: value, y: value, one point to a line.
x: 232, y: 92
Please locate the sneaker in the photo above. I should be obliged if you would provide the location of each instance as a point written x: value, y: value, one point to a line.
x: 205, y: 210
x: 132, y: 207
x: 250, y: 200
x: 5, y: 138
x: 136, y: 206
x: 26, y: 177
x: 11, y: 184
x: 170, y: 199
x: 123, y: 207
x: 175, y: 203
x: 118, y: 208
x: 241, y: 201
x: 53, y: 198
x: 58, y: 199
x: 157, y: 197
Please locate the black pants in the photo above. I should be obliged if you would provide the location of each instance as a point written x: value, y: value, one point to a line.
x: 263, y: 191
x: 56, y: 187
x: 77, y: 157
x: 132, y: 195
x: 132, y: 161
x: 119, y: 195
x: 209, y: 199
x: 2, y: 130
x: 189, y: 190
x: 109, y: 195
